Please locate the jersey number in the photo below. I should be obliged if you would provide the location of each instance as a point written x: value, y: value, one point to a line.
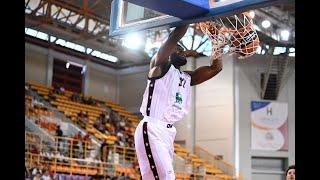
x: 182, y: 82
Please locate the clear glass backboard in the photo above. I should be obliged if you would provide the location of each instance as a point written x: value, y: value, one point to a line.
x: 136, y: 15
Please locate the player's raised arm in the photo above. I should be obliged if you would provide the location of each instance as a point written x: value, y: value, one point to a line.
x: 205, y: 73
x: 168, y: 47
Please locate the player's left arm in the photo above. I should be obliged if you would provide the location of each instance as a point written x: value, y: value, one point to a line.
x: 205, y: 73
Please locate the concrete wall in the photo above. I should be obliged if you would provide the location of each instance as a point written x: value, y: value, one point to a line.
x: 35, y: 66
x: 101, y: 85
x: 131, y: 89
x: 214, y: 111
x: 247, y: 82
x: 99, y: 81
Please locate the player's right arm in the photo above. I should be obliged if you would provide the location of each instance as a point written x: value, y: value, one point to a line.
x: 168, y: 47
x: 205, y: 73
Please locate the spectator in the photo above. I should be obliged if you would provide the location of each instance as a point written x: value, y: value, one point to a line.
x: 77, y: 145
x: 107, y: 115
x: 51, y: 95
x: 86, y: 140
x: 36, y: 170
x: 34, y: 149
x: 60, y: 91
x: 79, y: 135
x: 114, y: 178
x: 49, y: 171
x: 104, y: 151
x: 27, y: 174
x: 58, y: 156
x: 64, y: 148
x: 103, y: 118
x: 122, y: 123
x: 83, y: 119
x: 59, y: 134
x: 76, y: 97
x: 291, y: 173
x: 37, y: 176
x: 90, y: 160
x: 91, y: 101
x: 81, y: 148
x: 102, y: 128
x: 123, y: 177
x: 111, y: 129
x: 135, y: 166
x: 119, y: 135
x: 59, y: 131
x: 86, y: 100
x: 46, y: 175
x: 44, y: 154
x: 81, y: 114
x: 26, y: 86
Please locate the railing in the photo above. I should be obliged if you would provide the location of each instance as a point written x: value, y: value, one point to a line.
x: 74, y: 129
x: 72, y: 166
x: 89, y: 164
x: 66, y: 156
x: 71, y: 148
x: 215, y: 161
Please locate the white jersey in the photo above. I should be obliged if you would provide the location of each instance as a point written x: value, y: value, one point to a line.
x: 167, y: 98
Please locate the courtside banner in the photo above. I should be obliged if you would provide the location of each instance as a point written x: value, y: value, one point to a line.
x: 269, y: 126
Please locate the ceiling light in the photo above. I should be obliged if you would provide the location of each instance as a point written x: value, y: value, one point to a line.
x: 285, y: 35
x: 251, y: 14
x: 266, y: 24
x: 133, y: 41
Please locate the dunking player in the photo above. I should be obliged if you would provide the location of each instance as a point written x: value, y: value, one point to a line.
x: 166, y: 100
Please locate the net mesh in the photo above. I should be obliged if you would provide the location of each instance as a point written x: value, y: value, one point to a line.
x: 234, y: 34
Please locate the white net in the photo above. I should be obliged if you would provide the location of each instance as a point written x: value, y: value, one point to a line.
x: 234, y: 34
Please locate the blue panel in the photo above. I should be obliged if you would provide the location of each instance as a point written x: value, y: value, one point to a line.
x: 255, y: 105
x: 201, y: 3
x: 242, y: 5
x: 178, y: 8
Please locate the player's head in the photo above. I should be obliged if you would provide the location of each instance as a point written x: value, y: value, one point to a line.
x: 178, y: 58
x: 291, y: 173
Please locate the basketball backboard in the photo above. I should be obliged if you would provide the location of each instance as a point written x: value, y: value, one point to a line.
x: 136, y: 15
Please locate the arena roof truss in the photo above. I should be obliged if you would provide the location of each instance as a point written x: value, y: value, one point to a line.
x: 82, y: 22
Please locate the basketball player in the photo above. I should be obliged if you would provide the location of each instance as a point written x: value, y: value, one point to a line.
x: 166, y: 100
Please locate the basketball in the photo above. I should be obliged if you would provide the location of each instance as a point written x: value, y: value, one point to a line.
x: 245, y: 41
x: 250, y: 48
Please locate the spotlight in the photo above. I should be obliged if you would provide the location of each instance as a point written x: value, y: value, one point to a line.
x: 266, y: 24
x: 251, y: 14
x: 285, y: 35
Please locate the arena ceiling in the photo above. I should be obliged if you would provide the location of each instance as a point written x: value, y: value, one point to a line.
x: 86, y: 23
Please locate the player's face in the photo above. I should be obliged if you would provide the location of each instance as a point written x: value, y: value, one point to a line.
x: 291, y: 175
x: 178, y: 58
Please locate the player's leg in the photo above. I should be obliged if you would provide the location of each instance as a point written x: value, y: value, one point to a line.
x: 143, y: 161
x: 163, y: 159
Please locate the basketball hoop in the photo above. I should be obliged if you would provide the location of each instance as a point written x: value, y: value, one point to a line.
x: 234, y: 34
